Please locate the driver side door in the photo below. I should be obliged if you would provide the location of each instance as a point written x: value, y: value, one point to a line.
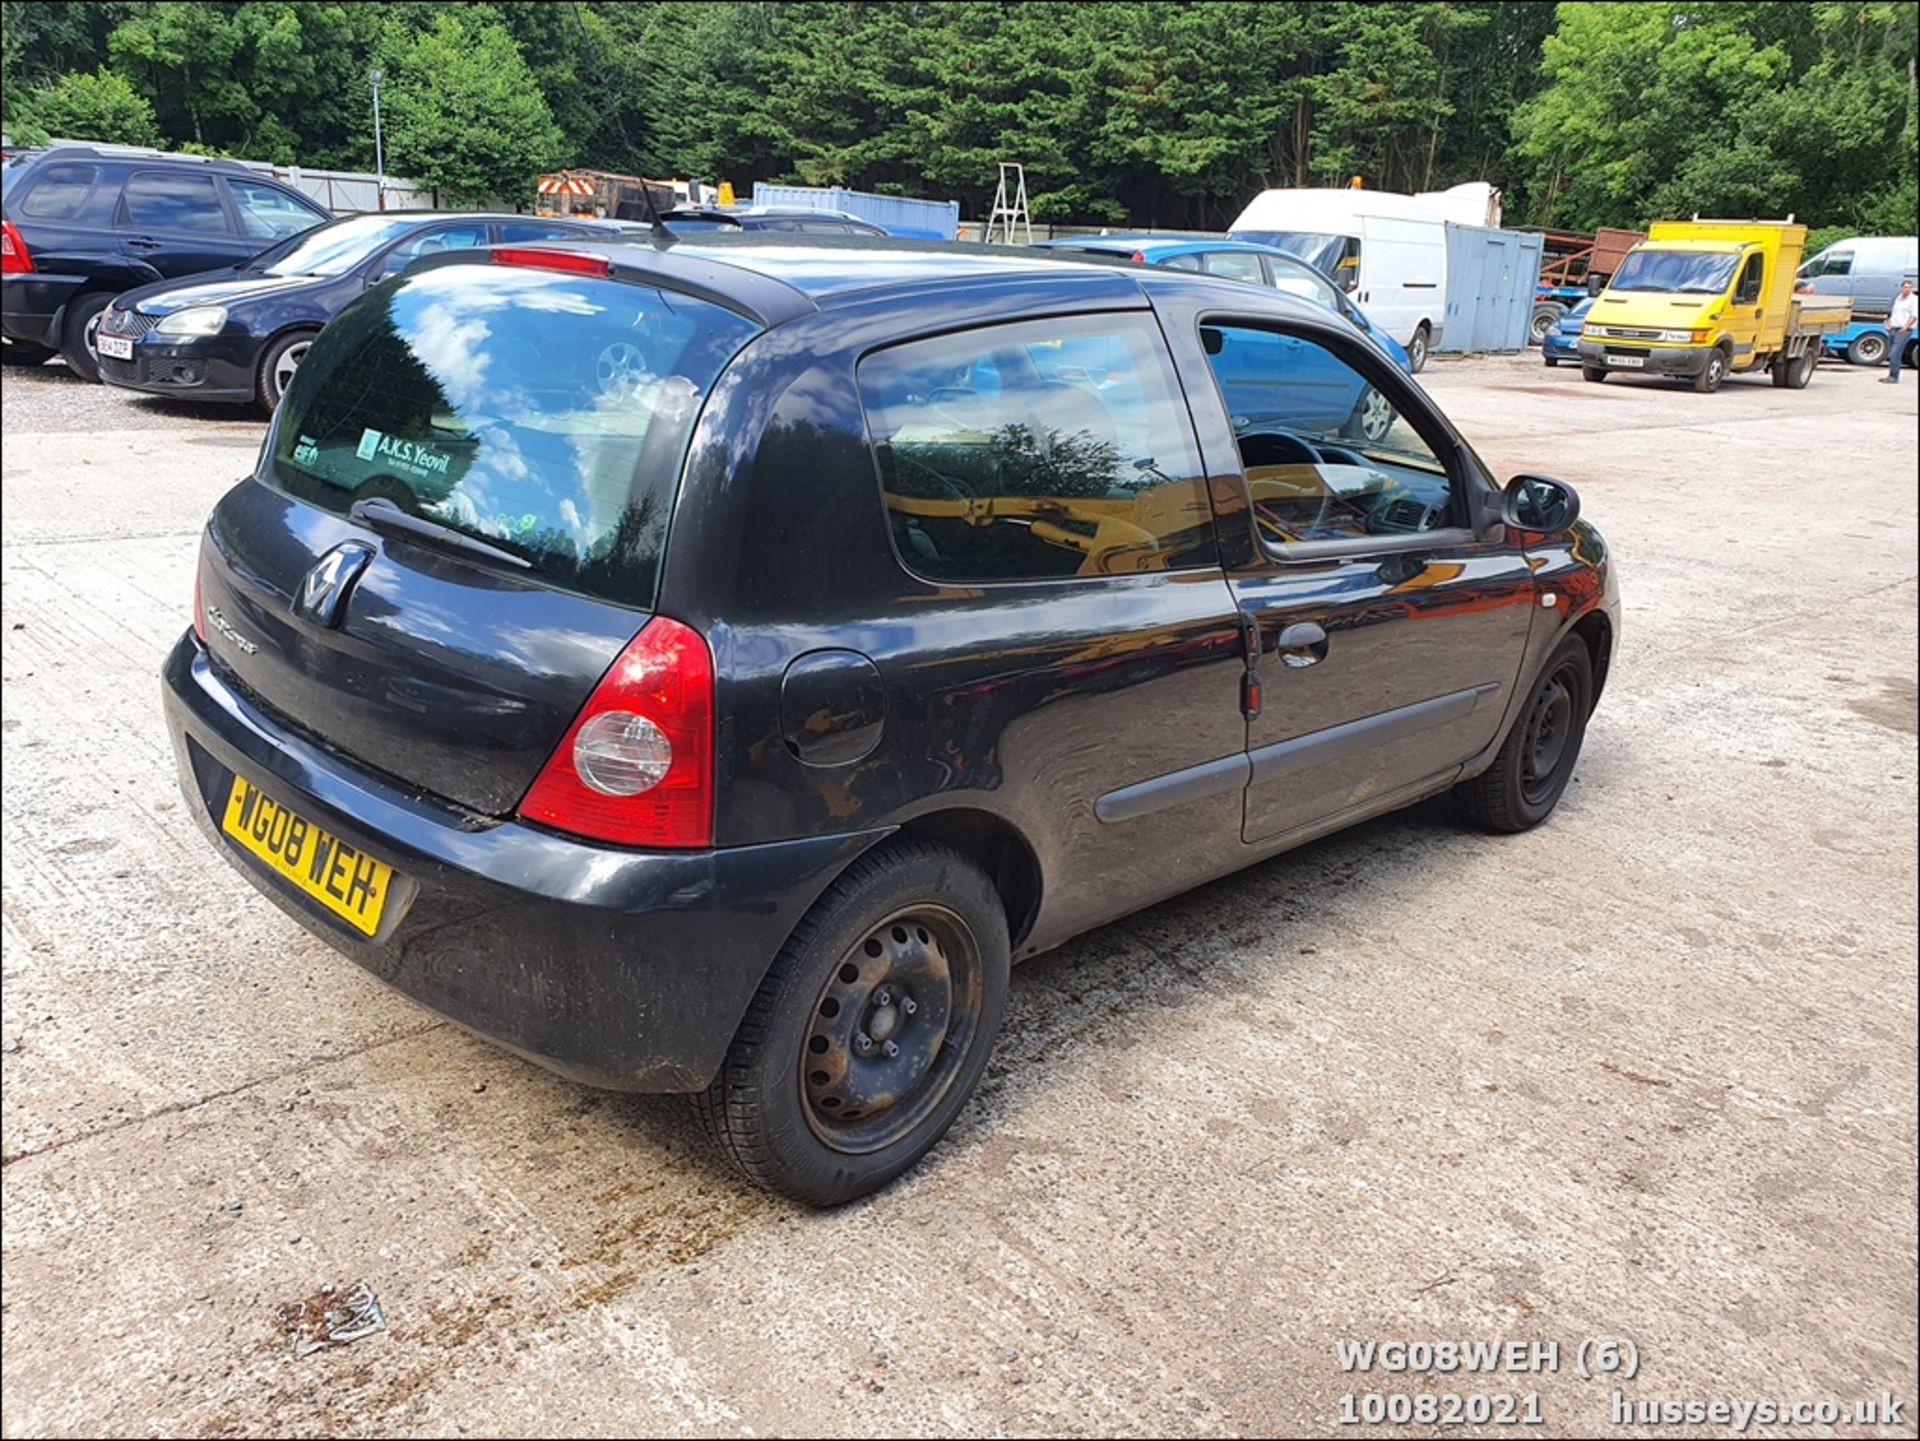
x: 1390, y: 632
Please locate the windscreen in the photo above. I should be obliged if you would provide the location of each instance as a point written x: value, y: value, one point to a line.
x: 545, y: 413
x: 1684, y: 272
x: 333, y: 248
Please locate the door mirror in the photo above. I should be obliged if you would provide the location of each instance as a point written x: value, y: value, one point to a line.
x: 1539, y: 502
x: 1595, y: 283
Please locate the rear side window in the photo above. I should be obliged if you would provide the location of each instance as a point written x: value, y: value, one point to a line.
x: 1038, y: 451
x: 59, y: 191
x: 521, y: 232
x: 155, y: 200
x: 268, y: 213
x: 544, y: 413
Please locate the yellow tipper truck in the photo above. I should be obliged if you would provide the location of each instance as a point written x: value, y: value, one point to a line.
x: 1707, y: 298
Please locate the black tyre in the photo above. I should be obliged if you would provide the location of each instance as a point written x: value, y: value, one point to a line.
x: 1545, y: 317
x: 870, y: 1031
x: 1373, y: 416
x: 277, y: 364
x: 1523, y: 785
x: 1868, y: 349
x: 1802, y: 368
x: 1595, y: 373
x: 25, y: 352
x: 1417, y: 348
x: 77, y: 330
x: 1552, y: 361
x: 1712, y: 373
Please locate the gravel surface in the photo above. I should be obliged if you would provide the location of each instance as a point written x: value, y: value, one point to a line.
x: 1648, y: 1072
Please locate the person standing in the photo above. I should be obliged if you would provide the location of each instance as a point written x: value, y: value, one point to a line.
x: 1906, y: 308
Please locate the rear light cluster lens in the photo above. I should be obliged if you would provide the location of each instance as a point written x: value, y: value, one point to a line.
x: 14, y: 259
x: 199, y: 612
x: 636, y: 766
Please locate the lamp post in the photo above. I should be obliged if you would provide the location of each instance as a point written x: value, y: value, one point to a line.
x: 379, y: 155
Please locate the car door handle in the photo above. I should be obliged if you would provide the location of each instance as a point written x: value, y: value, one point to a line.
x: 1301, y: 644
x: 144, y: 242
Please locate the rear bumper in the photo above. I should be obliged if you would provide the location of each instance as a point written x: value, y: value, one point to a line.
x: 1684, y: 360
x: 618, y: 968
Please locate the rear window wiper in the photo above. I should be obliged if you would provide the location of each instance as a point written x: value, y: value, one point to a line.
x: 379, y: 513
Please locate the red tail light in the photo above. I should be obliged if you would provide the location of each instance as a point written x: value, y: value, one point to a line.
x: 1139, y: 257
x: 199, y: 615
x: 14, y: 259
x: 579, y: 261
x: 636, y: 766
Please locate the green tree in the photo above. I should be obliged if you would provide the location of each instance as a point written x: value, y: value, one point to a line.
x: 101, y: 106
x: 466, y: 116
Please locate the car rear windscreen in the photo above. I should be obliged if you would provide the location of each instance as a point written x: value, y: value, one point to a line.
x: 547, y: 414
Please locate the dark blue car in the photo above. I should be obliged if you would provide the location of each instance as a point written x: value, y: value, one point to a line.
x: 1562, y: 340
x: 238, y: 334
x: 707, y: 666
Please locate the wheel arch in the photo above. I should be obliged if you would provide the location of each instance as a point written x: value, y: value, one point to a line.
x: 1596, y: 631
x: 1000, y: 850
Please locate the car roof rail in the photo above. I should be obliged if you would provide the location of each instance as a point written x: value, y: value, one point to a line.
x: 143, y: 152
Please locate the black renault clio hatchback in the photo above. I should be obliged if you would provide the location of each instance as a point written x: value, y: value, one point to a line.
x: 705, y: 666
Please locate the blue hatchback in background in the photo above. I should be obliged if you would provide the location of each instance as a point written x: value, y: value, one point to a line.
x: 1237, y: 260
x: 1562, y: 341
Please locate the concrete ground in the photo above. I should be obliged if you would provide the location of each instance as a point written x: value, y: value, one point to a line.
x: 1647, y: 1073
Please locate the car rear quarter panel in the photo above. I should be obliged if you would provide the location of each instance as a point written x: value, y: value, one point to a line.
x: 1024, y: 701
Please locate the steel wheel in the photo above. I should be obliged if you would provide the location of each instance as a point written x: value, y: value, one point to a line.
x: 1549, y: 730
x: 1867, y: 349
x: 1417, y: 351
x: 891, y: 1029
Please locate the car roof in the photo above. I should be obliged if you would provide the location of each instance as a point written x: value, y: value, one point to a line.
x: 774, y: 277
x: 1158, y: 245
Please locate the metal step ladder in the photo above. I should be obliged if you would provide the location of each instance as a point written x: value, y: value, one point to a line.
x: 1010, y: 206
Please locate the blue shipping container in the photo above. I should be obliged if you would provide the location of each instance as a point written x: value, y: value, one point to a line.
x: 898, y: 215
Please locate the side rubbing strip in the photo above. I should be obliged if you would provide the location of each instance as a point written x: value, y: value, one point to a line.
x: 1301, y: 753
x: 1229, y: 773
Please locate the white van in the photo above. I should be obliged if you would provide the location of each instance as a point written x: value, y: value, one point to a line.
x: 1388, y: 251
x: 1868, y: 269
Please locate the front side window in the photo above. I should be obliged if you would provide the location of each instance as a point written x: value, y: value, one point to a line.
x: 59, y: 191
x: 1236, y: 265
x: 1038, y: 451
x: 1748, y: 292
x: 1326, y: 455
x: 1299, y: 279
x: 156, y: 200
x: 267, y: 213
x: 543, y: 413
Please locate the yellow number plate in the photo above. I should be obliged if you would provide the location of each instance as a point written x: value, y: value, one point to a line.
x: 347, y: 882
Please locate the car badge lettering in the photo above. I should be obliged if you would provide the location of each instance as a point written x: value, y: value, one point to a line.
x: 218, y: 620
x: 324, y: 591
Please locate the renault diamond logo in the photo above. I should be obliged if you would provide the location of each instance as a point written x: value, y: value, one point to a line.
x: 327, y: 584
